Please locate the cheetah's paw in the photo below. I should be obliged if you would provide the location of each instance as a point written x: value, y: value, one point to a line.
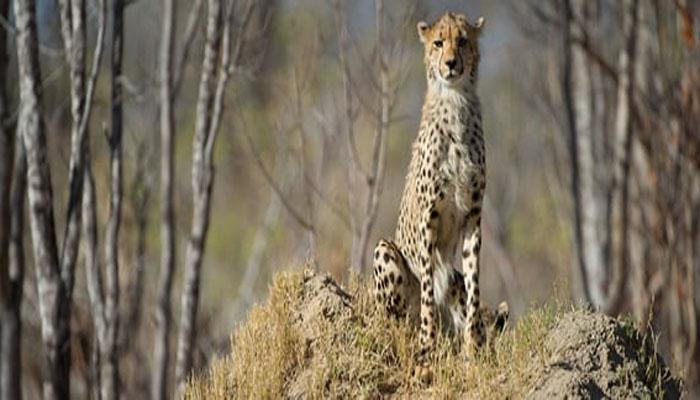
x: 423, y: 374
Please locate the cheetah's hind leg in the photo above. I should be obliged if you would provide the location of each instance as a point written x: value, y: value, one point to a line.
x: 492, y: 321
x: 395, y: 286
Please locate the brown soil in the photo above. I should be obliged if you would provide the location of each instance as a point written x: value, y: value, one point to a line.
x: 594, y: 356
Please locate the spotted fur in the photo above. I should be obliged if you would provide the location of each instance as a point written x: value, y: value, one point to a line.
x: 440, y: 216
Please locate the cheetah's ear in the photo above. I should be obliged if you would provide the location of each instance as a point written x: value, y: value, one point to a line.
x: 480, y: 24
x: 423, y: 29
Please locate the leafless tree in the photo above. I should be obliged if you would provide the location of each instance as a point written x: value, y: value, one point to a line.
x: 170, y: 80
x: 9, y: 307
x: 72, y: 17
x: 216, y: 64
x: 139, y: 194
x: 354, y: 170
x: 589, y: 202
x: 167, y: 218
x: 55, y: 272
x: 103, y: 299
x: 632, y: 133
x: 6, y: 158
x: 53, y: 307
x: 109, y: 375
x: 103, y: 302
x: 375, y: 179
x: 365, y: 184
x: 93, y: 273
x: 621, y: 155
x: 10, y: 359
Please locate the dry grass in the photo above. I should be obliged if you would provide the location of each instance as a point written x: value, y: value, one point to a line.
x: 361, y: 353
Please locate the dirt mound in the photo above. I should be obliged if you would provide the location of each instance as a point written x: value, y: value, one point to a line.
x: 316, y: 339
x: 322, y: 302
x: 594, y: 356
x: 321, y: 298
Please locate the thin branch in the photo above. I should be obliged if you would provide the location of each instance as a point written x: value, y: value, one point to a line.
x: 240, y: 37
x: 224, y: 73
x: 342, y: 33
x: 276, y: 188
x: 187, y: 39
x: 375, y: 179
x: 367, y: 69
x: 595, y: 56
x: 96, y: 64
x: 43, y: 49
x: 140, y: 200
x: 246, y: 286
x: 304, y: 163
x: 90, y: 253
x: 335, y: 210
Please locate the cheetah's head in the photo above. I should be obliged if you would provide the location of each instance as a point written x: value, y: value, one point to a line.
x: 451, y: 49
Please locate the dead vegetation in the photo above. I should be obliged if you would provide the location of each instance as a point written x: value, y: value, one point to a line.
x: 314, y: 339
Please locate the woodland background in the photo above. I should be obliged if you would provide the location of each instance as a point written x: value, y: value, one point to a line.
x: 160, y: 160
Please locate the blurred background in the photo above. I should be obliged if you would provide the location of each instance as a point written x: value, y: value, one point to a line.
x: 592, y: 125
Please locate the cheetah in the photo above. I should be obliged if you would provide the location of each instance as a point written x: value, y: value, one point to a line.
x: 440, y: 212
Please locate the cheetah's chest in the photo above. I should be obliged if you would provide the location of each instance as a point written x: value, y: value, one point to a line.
x: 443, y: 169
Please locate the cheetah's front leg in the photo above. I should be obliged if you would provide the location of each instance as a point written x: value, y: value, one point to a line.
x: 471, y: 249
x: 428, y: 312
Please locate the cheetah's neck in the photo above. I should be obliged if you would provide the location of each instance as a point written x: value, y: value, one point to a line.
x: 453, y: 108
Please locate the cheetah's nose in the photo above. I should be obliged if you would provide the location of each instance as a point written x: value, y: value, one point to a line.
x: 451, y: 64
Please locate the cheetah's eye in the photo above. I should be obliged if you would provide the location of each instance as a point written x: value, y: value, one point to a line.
x: 462, y: 42
x: 438, y: 44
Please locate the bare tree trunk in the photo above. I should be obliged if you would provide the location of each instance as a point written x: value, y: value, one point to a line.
x: 131, y: 354
x: 640, y: 239
x: 139, y: 202
x: 72, y: 16
x: 353, y: 170
x: 304, y: 167
x: 167, y: 216
x: 568, y: 97
x: 209, y: 111
x: 109, y: 375
x: 9, y: 323
x: 93, y: 276
x: 375, y: 181
x: 6, y: 158
x: 246, y: 287
x: 622, y: 157
x: 592, y: 209
x: 54, y: 308
x: 589, y: 205
x: 10, y: 361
